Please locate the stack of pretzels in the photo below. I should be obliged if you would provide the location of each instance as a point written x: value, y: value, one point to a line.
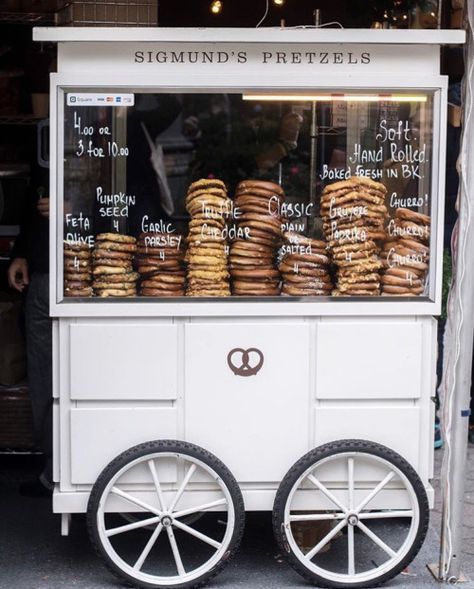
x: 160, y: 263
x: 77, y: 270
x: 207, y: 251
x: 304, y: 266
x: 406, y: 254
x: 112, y: 269
x: 259, y: 228
x: 354, y: 215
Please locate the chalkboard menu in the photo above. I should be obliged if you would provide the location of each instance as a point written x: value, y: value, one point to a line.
x: 244, y: 195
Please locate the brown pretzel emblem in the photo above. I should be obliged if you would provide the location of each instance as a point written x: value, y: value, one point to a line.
x: 245, y: 368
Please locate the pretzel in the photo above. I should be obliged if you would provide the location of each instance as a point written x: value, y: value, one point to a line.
x: 115, y: 238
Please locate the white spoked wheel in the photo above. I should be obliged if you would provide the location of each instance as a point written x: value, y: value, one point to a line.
x: 371, y: 518
x: 157, y: 487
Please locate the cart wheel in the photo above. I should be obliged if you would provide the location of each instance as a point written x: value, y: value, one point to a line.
x: 172, y: 554
x: 358, y: 541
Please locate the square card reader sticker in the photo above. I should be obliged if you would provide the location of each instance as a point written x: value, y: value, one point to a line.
x: 100, y: 99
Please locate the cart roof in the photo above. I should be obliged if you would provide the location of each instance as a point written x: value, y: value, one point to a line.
x: 247, y: 35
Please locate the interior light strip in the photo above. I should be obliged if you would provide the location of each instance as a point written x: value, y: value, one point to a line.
x: 337, y: 97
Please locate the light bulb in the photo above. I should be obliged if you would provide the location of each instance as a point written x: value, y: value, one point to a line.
x: 216, y: 6
x: 279, y: 2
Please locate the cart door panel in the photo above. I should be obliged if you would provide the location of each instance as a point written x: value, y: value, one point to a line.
x: 258, y: 424
x: 123, y: 361
x: 98, y: 435
x: 398, y: 428
x: 376, y: 359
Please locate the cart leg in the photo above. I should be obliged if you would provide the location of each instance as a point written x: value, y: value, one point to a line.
x: 65, y: 523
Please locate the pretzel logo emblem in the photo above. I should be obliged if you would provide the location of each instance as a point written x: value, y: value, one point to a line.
x: 247, y: 367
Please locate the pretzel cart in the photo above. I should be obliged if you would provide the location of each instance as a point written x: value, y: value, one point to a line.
x: 246, y: 259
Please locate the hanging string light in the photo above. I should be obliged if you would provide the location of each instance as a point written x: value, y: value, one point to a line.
x: 216, y: 6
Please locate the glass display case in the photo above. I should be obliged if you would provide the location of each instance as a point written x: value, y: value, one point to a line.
x: 253, y: 194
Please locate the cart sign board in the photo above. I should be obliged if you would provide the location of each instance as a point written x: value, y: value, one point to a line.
x: 268, y: 60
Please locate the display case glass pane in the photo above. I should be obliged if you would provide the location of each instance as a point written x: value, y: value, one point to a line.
x: 322, y: 194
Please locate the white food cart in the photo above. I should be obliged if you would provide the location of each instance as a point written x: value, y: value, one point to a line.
x: 174, y: 416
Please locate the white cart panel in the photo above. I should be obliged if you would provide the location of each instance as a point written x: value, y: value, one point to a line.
x: 397, y: 428
x: 369, y: 360
x: 123, y: 361
x: 99, y: 435
x: 240, y: 417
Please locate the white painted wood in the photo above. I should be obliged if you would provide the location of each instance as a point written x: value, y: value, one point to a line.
x: 438, y: 172
x: 223, y: 309
x: 248, y: 35
x: 56, y: 441
x: 427, y: 401
x: 55, y: 375
x: 65, y: 405
x: 98, y: 435
x: 65, y: 524
x: 396, y: 427
x: 254, y: 500
x: 257, y: 425
x: 234, y: 80
x: 113, y: 360
x: 55, y: 143
x: 369, y: 359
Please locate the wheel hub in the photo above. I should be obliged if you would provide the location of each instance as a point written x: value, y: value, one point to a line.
x: 166, y: 521
x: 352, y: 519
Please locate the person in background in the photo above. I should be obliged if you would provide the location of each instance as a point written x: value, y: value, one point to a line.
x: 28, y: 273
x: 235, y: 140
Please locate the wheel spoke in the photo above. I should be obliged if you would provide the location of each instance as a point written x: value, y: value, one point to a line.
x: 377, y: 490
x: 176, y: 554
x: 316, y: 517
x: 136, y: 525
x: 196, y: 534
x: 376, y: 539
x: 322, y: 543
x: 184, y: 484
x: 154, y: 474
x: 350, y: 551
x: 134, y: 500
x: 327, y: 492
x: 149, y: 545
x: 386, y: 514
x: 350, y: 482
x: 203, y: 507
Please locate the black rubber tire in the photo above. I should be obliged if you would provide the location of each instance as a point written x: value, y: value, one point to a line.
x: 161, y: 446
x: 331, y: 449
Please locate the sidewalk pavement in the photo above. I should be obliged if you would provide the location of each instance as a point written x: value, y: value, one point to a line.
x: 33, y: 555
